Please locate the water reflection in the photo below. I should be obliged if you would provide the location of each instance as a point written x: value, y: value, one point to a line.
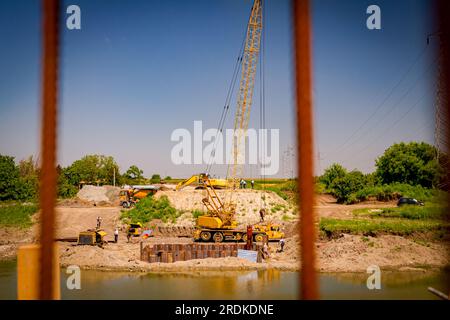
x: 264, y: 284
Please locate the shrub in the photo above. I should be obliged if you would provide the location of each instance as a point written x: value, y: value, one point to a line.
x: 151, y: 208
x: 197, y: 213
x: 333, y: 172
x: 156, y: 178
x: 343, y: 187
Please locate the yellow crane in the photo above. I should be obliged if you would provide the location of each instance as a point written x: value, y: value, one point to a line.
x: 219, y: 223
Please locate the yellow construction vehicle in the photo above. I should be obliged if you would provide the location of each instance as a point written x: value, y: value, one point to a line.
x: 271, y: 229
x: 92, y: 237
x: 129, y: 197
x: 135, y: 229
x: 219, y: 222
x: 198, y: 181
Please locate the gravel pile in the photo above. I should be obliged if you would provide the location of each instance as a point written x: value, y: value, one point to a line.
x: 108, y: 194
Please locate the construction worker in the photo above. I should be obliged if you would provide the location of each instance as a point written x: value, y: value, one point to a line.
x: 253, y: 183
x: 99, y: 222
x: 282, y: 243
x: 262, y: 213
x: 244, y: 184
x: 116, y: 235
x: 266, y: 253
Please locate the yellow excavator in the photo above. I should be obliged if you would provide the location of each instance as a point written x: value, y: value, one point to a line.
x: 219, y: 223
x: 198, y: 180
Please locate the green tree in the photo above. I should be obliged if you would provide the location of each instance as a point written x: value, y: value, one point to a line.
x: 93, y: 169
x: 156, y: 178
x: 343, y: 187
x: 65, y: 189
x: 412, y: 163
x: 28, y: 183
x: 18, y: 182
x: 9, y: 177
x: 134, y: 173
x: 332, y: 173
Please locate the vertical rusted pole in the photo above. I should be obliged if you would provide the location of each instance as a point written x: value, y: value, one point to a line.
x: 50, y: 9
x: 302, y: 45
x: 444, y: 28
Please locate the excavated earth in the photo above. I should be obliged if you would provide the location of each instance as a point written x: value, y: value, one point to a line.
x: 347, y: 253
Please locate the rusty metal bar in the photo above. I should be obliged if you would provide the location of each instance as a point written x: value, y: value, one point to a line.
x: 302, y: 45
x: 444, y: 28
x: 50, y: 9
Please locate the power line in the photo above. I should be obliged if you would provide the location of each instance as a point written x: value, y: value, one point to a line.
x: 397, y: 103
x: 402, y: 78
x: 358, y: 154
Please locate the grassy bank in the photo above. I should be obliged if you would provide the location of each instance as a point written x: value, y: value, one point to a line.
x: 407, y: 212
x: 405, y: 220
x: 373, y: 227
x: 17, y: 215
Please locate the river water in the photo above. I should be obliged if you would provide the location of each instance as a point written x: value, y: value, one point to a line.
x: 269, y: 284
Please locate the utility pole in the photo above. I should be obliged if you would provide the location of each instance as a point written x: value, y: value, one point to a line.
x: 319, y: 159
x: 114, y: 176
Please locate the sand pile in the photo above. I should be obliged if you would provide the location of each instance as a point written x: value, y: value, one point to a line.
x: 103, y: 194
x: 248, y: 201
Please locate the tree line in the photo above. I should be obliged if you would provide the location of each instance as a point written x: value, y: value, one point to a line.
x: 412, y: 164
x: 20, y: 181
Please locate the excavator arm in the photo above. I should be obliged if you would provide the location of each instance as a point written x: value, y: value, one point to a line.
x: 187, y: 182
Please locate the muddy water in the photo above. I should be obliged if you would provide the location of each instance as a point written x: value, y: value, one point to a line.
x: 269, y: 284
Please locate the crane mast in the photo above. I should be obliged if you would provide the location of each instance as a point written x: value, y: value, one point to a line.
x: 245, y: 93
x: 225, y: 210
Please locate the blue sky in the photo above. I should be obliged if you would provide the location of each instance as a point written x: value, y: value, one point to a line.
x: 137, y: 70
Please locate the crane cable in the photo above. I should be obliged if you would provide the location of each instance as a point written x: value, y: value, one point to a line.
x: 262, y: 114
x: 226, y: 107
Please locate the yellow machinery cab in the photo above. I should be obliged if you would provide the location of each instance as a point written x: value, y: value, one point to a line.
x: 135, y: 229
x: 273, y: 231
x: 91, y: 237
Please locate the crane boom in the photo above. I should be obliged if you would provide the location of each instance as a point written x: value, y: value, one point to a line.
x: 245, y: 93
x: 219, y: 223
x: 221, y: 214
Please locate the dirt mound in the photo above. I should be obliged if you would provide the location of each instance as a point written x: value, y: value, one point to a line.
x: 70, y: 221
x: 103, y: 194
x: 248, y: 203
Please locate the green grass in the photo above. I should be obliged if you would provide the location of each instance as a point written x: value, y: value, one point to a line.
x: 407, y: 212
x: 151, y: 208
x: 331, y: 226
x: 278, y: 207
x: 397, y: 190
x: 197, y: 213
x: 285, y: 188
x: 17, y: 214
